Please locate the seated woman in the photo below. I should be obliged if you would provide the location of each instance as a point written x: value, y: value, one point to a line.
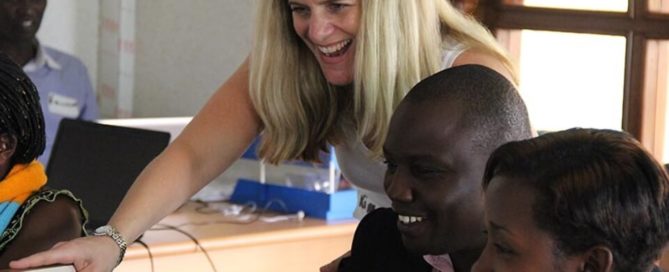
x: 32, y: 218
x: 575, y: 200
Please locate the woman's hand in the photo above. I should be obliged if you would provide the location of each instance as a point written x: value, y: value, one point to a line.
x: 87, y: 254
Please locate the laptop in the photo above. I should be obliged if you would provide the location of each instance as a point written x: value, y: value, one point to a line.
x: 173, y: 125
x: 99, y: 163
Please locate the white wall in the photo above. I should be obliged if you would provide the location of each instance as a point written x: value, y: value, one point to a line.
x: 72, y: 26
x: 185, y: 50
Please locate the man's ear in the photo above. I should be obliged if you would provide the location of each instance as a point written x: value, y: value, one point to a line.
x: 597, y: 259
x: 7, y: 148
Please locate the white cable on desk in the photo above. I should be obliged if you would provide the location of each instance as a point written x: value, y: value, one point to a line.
x: 299, y: 216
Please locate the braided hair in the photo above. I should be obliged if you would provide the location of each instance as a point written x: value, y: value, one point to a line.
x: 20, y: 112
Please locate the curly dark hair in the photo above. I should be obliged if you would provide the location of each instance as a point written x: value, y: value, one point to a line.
x: 593, y: 188
x: 20, y: 112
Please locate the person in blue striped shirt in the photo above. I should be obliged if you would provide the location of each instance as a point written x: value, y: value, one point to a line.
x: 61, y: 79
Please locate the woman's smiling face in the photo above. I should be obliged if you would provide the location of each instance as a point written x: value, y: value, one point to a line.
x: 329, y: 29
x: 515, y: 242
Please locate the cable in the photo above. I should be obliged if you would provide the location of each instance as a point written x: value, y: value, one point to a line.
x: 239, y: 214
x: 275, y: 200
x: 226, y: 208
x: 197, y: 244
x: 245, y: 214
x: 299, y: 216
x: 148, y: 251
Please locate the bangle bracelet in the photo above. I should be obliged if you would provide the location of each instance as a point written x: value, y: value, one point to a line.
x: 111, y: 232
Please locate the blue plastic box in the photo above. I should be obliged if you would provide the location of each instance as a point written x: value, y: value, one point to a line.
x: 333, y: 206
x: 292, y: 186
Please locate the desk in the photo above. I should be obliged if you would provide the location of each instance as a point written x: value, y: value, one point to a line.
x: 258, y: 246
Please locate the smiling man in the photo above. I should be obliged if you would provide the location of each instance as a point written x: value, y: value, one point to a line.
x: 61, y: 79
x: 439, y: 139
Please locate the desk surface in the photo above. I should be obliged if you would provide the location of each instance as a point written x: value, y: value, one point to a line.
x: 258, y: 246
x: 257, y: 239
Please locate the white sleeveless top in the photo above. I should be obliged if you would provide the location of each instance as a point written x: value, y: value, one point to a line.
x: 367, y: 174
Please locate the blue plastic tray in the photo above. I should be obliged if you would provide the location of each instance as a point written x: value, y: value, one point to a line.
x: 336, y: 206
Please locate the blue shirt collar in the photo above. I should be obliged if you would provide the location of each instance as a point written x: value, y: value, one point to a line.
x: 42, y: 58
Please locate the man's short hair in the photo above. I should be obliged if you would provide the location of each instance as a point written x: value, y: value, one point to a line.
x: 490, y: 104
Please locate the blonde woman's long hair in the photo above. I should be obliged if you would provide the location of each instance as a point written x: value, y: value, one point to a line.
x: 399, y: 43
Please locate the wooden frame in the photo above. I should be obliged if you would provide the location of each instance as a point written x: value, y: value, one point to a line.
x: 641, y: 117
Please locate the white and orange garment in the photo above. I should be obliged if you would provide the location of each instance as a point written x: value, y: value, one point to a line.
x: 20, y: 183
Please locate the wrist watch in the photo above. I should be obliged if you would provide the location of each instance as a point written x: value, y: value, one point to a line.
x: 111, y: 232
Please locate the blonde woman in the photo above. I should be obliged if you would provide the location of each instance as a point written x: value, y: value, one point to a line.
x: 320, y: 72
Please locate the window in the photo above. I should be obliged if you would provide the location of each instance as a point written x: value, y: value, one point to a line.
x: 595, y: 5
x: 588, y: 63
x: 571, y: 79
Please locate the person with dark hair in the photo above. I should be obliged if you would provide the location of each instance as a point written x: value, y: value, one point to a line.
x: 575, y: 200
x: 438, y: 141
x: 32, y: 218
x: 61, y: 79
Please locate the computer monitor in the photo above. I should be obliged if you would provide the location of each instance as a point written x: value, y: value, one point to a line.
x: 173, y: 125
x: 99, y: 163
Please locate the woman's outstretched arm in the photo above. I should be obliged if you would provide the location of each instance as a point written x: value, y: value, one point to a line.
x: 213, y: 140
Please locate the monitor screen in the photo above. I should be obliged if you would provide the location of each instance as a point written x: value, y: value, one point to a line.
x: 173, y: 125
x: 99, y: 163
